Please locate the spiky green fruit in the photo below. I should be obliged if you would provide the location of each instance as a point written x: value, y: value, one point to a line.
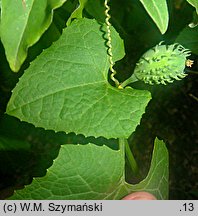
x: 162, y: 64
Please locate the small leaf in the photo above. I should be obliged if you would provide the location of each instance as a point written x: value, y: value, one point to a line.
x: 22, y: 24
x: 188, y: 37
x: 78, y: 12
x: 194, y: 3
x: 158, y: 11
x: 96, y: 172
x: 66, y: 87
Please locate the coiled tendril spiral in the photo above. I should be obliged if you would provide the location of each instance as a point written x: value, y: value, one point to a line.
x: 109, y: 43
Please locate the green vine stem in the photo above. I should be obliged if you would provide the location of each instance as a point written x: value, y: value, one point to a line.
x: 109, y: 43
x: 128, y: 81
x: 123, y: 143
x: 192, y: 72
x: 194, y: 97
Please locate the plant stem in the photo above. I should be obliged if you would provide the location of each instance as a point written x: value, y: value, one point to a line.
x: 132, y: 162
x: 194, y: 97
x: 128, y: 81
x: 122, y: 146
x: 192, y: 72
x: 131, y: 159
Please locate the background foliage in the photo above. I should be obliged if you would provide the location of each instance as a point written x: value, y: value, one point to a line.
x: 26, y: 151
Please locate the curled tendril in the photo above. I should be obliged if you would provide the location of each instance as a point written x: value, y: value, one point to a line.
x: 109, y: 43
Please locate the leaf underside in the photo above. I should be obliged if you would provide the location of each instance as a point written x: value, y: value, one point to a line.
x: 66, y: 87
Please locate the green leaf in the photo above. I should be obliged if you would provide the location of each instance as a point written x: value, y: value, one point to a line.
x: 194, y: 3
x: 96, y: 9
x: 78, y: 12
x: 22, y: 24
x: 95, y: 172
x: 156, y: 181
x: 79, y: 172
x: 158, y: 11
x: 188, y: 37
x: 66, y: 87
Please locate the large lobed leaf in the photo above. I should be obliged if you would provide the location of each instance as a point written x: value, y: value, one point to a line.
x: 158, y: 11
x: 66, y: 87
x: 22, y: 24
x: 96, y: 172
x: 79, y: 172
